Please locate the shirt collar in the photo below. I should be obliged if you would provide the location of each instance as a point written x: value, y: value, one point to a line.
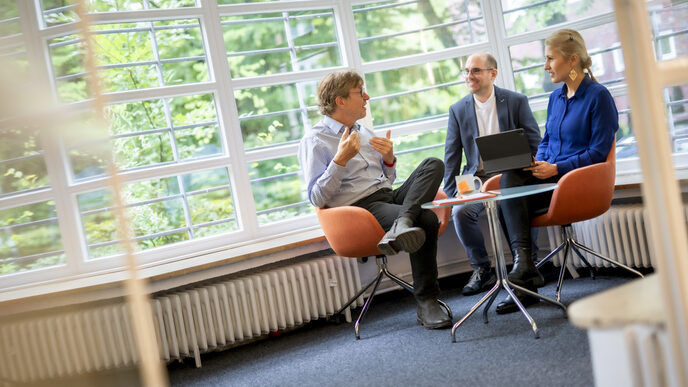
x: 337, y: 127
x: 487, y: 101
x: 580, y: 91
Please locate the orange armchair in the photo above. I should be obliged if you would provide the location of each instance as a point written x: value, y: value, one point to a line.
x: 583, y: 193
x: 354, y: 232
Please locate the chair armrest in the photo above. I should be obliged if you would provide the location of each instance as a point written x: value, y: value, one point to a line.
x: 492, y: 184
x: 443, y: 213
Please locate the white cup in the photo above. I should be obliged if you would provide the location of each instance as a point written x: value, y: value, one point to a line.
x: 467, y: 183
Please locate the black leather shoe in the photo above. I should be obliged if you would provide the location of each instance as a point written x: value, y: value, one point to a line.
x: 431, y: 315
x: 480, y: 281
x: 402, y: 237
x: 509, y: 306
x: 524, y: 272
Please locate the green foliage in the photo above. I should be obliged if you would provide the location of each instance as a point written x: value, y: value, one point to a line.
x: 8, y: 10
x: 29, y: 230
x: 275, y: 184
x: 409, y: 155
x: 155, y: 206
x: 244, y: 35
x: 25, y: 168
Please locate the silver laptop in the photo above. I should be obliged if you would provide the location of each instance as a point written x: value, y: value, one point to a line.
x: 504, y: 151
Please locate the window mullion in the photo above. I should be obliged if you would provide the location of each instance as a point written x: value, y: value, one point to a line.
x: 54, y: 154
x: 351, y: 53
x: 496, y: 35
x: 346, y: 34
x: 228, y: 118
x: 294, y: 63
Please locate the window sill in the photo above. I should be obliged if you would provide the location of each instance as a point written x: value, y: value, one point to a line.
x: 163, y: 276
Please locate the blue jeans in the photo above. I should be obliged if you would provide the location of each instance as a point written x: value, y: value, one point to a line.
x: 465, y: 218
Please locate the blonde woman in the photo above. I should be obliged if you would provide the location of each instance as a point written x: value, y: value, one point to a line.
x: 582, y: 121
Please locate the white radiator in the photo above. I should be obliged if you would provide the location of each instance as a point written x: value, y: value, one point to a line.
x: 188, y: 322
x: 620, y: 234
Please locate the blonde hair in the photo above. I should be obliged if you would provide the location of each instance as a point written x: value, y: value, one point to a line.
x: 336, y: 84
x: 570, y: 42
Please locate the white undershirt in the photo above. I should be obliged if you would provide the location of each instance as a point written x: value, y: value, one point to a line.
x: 486, y: 114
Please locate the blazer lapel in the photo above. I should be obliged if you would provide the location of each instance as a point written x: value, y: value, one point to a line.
x: 471, y: 119
x: 502, y: 110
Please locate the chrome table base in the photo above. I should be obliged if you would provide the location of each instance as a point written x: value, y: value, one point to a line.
x: 502, y: 280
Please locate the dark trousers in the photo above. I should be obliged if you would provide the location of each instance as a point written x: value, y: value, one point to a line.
x: 387, y: 205
x: 515, y: 214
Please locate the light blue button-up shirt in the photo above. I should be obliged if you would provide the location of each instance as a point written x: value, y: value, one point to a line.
x: 331, y: 185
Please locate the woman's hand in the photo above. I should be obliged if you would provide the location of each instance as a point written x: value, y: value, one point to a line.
x: 542, y: 169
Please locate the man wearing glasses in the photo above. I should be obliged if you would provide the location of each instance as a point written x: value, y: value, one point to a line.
x: 344, y: 163
x: 488, y: 109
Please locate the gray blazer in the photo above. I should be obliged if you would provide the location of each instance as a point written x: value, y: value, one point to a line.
x: 513, y: 112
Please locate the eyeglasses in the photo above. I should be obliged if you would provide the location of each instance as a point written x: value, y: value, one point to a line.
x: 474, y: 71
x: 361, y: 93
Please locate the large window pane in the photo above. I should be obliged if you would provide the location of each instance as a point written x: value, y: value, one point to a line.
x: 29, y: 238
x: 280, y: 42
x: 57, y: 12
x: 677, y: 117
x: 133, y: 5
x: 272, y: 115
x: 389, y: 29
x: 530, y: 15
x: 625, y: 140
x: 131, y: 56
x: 415, y: 92
x: 160, y: 211
x: 12, y: 46
x: 9, y: 18
x: 669, y: 28
x: 153, y: 132
x: 414, y: 148
x: 277, y: 189
x: 243, y: 1
x: 22, y: 164
x: 67, y: 55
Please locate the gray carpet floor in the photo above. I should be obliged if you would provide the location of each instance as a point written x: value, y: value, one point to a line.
x: 394, y: 350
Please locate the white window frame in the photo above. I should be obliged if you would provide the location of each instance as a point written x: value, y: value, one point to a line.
x: 251, y: 238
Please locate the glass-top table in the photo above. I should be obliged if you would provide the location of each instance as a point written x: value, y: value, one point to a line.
x: 500, y: 264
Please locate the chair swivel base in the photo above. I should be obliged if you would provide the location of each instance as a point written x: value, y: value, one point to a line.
x: 570, y: 244
x: 383, y: 271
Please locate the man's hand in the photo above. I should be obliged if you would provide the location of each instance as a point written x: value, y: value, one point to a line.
x: 348, y: 147
x: 384, y: 146
x: 542, y: 169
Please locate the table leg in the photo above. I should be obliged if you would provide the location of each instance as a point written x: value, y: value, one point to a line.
x: 495, y: 290
x: 502, y: 279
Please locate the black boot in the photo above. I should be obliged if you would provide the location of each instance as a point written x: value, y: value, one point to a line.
x: 524, y: 272
x: 509, y: 306
x: 431, y: 315
x: 402, y: 237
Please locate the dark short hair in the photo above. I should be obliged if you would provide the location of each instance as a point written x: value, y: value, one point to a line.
x: 490, y: 61
x: 336, y: 84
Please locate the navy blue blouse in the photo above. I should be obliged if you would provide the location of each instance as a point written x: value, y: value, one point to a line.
x: 580, y: 130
